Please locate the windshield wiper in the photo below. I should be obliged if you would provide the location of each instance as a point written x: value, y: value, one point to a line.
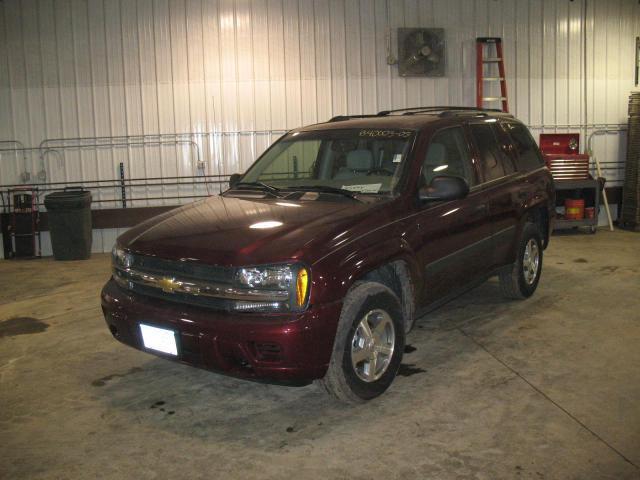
x: 262, y: 186
x: 324, y: 189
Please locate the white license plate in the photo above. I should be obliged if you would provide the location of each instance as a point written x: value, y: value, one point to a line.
x: 159, y: 339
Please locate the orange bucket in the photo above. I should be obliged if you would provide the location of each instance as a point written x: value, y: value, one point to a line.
x: 590, y: 212
x: 574, y: 209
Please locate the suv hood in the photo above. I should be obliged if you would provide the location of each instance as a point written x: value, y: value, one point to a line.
x: 232, y: 231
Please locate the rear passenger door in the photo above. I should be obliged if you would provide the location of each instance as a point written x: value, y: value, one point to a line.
x: 527, y: 159
x: 499, y: 186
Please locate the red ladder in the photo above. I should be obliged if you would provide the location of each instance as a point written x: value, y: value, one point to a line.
x: 483, y: 47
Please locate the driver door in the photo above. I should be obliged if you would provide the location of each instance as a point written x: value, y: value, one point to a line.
x: 454, y: 237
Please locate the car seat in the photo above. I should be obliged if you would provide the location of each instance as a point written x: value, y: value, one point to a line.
x: 358, y: 163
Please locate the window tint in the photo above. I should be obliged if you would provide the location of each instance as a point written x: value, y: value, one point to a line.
x: 528, y: 155
x: 448, y: 155
x: 493, y: 160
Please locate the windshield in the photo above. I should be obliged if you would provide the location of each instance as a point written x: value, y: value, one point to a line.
x: 366, y: 161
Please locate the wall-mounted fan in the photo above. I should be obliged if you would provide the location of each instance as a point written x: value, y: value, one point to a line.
x: 421, y: 52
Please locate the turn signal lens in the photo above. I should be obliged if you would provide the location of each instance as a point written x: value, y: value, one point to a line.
x: 302, y: 283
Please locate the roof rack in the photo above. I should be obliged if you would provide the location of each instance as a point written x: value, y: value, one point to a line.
x: 408, y: 109
x: 341, y: 118
x: 477, y: 111
x: 445, y: 110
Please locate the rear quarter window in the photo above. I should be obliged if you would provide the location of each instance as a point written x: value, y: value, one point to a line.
x: 528, y: 155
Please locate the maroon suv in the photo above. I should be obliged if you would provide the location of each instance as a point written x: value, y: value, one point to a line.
x: 317, y: 261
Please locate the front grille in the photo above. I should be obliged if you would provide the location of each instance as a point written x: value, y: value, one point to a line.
x: 207, y: 302
x: 191, y: 283
x: 179, y: 269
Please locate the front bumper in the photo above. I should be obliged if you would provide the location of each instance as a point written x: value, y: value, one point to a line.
x: 293, y: 347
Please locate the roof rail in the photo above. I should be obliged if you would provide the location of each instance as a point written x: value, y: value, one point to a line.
x: 408, y: 109
x: 340, y: 118
x: 443, y: 109
x: 477, y: 111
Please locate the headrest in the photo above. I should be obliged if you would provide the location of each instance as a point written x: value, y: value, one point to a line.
x: 360, y: 160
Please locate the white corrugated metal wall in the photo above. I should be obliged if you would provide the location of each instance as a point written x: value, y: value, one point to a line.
x: 224, y: 78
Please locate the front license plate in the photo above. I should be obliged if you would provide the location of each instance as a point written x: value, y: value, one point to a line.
x: 159, y: 339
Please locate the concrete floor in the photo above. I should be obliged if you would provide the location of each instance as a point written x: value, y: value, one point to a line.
x: 545, y: 388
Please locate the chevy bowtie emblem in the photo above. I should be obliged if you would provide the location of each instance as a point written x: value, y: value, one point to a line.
x: 168, y: 285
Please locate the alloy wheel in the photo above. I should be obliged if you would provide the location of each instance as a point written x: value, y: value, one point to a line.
x: 373, y: 345
x: 531, y: 261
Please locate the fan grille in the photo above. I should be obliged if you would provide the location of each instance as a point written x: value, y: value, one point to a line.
x: 421, y: 52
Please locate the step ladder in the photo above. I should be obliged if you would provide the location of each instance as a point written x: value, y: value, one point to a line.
x: 489, y: 53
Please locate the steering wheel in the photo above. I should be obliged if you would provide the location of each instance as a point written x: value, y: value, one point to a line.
x: 380, y: 171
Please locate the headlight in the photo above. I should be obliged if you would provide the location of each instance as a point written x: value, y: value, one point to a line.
x: 120, y: 257
x: 292, y: 279
x: 278, y: 277
x: 121, y: 260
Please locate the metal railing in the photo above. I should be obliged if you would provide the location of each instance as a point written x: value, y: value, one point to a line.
x: 59, y: 145
x: 173, y: 187
x: 219, y: 182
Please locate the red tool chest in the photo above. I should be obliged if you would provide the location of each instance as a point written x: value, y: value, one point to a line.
x: 560, y: 152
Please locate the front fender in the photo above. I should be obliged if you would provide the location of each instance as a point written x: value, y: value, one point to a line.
x: 335, y: 274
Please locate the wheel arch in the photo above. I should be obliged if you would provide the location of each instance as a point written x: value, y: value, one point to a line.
x: 391, y: 263
x: 539, y: 215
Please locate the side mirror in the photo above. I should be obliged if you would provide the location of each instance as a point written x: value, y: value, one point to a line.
x: 444, y: 188
x: 233, y: 179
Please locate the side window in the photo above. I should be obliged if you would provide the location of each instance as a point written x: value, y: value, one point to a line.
x: 448, y: 154
x: 528, y: 155
x: 493, y: 160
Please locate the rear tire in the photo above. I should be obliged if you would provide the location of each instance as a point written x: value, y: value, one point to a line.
x: 520, y: 280
x: 369, y: 344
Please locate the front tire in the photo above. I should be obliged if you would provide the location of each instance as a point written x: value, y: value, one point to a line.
x: 520, y: 280
x: 369, y: 344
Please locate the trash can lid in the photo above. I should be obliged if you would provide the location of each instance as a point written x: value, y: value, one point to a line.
x: 73, y: 198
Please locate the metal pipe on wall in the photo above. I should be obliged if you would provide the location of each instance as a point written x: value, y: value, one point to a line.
x: 143, y: 140
x: 580, y: 126
x: 13, y: 142
x: 54, y: 144
x: 19, y: 148
x: 137, y: 179
x: 47, y: 141
x: 57, y: 145
x: 46, y: 151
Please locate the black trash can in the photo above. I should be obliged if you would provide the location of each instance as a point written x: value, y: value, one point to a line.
x: 69, y: 215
